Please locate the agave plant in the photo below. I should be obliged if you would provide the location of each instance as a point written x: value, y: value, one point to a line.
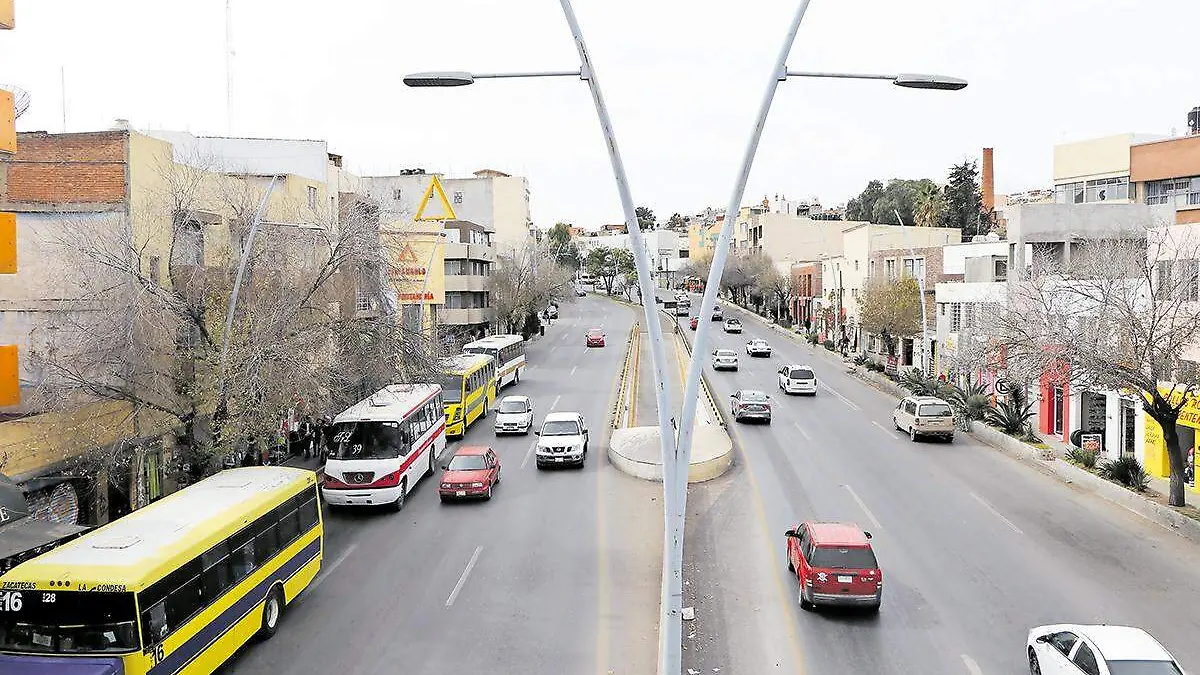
x: 1011, y: 416
x: 1084, y: 458
x: 1127, y: 471
x: 920, y: 384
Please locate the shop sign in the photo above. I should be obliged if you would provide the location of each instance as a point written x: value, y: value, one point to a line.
x: 1091, y: 442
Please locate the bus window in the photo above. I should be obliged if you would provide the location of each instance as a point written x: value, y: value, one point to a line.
x: 308, y: 513
x: 289, y: 523
x: 242, y: 559
x: 217, y: 575
x: 451, y: 388
x: 266, y: 542
x: 369, y: 440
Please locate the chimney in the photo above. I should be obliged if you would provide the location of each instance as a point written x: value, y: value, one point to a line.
x: 988, y: 181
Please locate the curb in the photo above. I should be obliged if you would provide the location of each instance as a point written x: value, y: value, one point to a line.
x: 698, y: 472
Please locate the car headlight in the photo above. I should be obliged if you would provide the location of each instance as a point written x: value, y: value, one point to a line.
x: 477, y: 485
x: 446, y: 485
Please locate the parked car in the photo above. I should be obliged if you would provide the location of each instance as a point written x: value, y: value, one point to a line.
x: 580, y: 292
x: 758, y: 347
x: 724, y: 359
x: 595, y: 337
x: 835, y: 565
x: 750, y: 404
x: 924, y: 416
x: 473, y: 472
x: 718, y: 313
x: 797, y: 379
x: 563, y: 439
x: 1070, y: 649
x: 514, y: 415
x: 694, y: 322
x: 552, y: 312
x: 733, y: 326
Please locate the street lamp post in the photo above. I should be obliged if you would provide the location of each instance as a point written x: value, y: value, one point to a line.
x: 779, y: 73
x: 673, y: 508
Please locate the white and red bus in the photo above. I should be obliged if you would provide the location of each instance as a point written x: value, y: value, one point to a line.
x: 509, y: 352
x: 380, y: 447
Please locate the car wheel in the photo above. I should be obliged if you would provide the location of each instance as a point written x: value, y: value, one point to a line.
x: 874, y: 609
x: 272, y: 611
x: 517, y: 377
x: 896, y: 424
x: 912, y: 434
x: 487, y: 496
x: 1035, y: 668
x: 804, y: 603
x: 399, y: 503
x: 950, y: 438
x: 499, y: 476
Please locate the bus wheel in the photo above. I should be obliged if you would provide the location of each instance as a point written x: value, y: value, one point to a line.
x: 432, y: 452
x: 399, y: 503
x: 272, y: 610
x: 517, y: 377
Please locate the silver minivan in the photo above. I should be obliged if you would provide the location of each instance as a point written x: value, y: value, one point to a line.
x: 924, y: 416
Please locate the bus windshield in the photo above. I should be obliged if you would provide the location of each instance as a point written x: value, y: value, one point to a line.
x: 451, y: 388
x: 67, y: 622
x: 488, y: 351
x: 368, y: 440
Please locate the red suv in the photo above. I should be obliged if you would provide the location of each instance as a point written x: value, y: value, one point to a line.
x: 835, y: 565
x: 595, y: 337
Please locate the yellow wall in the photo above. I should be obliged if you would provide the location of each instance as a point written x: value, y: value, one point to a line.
x: 1156, y: 462
x: 414, y: 251
x: 1105, y: 157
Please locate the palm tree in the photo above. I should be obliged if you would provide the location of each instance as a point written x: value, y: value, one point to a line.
x: 928, y: 205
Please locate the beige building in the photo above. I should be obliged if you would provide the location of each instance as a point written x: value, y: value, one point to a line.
x: 1095, y: 170
x: 787, y: 239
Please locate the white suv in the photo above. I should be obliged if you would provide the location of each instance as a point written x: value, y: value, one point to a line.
x: 797, y: 379
x: 514, y: 415
x: 924, y: 416
x: 563, y: 439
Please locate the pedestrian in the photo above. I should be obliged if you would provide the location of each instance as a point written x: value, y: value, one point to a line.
x: 307, y: 437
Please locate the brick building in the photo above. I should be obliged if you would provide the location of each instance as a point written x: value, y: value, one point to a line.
x: 807, y: 300
x: 925, y: 264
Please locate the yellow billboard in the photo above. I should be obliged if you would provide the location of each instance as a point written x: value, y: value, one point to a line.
x: 417, y: 267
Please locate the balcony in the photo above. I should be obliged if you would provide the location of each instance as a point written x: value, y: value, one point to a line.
x: 460, y: 251
x: 466, y: 282
x: 464, y: 317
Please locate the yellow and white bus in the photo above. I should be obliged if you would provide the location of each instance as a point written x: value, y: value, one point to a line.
x: 175, y: 587
x: 509, y: 352
x: 468, y: 384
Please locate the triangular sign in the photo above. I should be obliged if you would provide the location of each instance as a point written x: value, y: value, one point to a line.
x: 447, y: 212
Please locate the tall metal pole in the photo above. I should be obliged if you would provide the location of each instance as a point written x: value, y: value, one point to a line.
x: 237, y: 282
x: 921, y: 290
x: 672, y: 605
x: 692, y: 389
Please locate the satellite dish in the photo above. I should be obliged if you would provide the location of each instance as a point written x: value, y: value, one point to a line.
x: 20, y: 98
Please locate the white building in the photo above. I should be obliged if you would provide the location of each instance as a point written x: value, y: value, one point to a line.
x: 668, y: 249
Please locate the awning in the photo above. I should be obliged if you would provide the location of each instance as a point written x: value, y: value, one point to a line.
x: 27, y: 534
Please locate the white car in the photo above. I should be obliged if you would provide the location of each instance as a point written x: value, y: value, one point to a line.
x: 563, y: 439
x: 733, y: 326
x: 724, y: 359
x: 1071, y: 649
x: 514, y: 415
x: 797, y: 379
x: 758, y: 347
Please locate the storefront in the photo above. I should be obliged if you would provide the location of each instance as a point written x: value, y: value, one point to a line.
x: 1155, y: 458
x: 1054, y: 407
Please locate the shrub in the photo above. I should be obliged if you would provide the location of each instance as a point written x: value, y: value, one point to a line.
x: 920, y: 384
x: 860, y: 359
x: 829, y: 345
x: 1127, y: 471
x: 1084, y: 458
x: 1010, y: 416
x: 812, y: 338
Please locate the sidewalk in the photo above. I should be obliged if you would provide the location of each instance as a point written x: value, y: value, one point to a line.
x: 1160, y: 485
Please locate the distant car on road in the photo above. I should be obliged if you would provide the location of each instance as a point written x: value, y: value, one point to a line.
x: 797, y: 379
x: 924, y: 416
x: 733, y: 326
x: 595, y: 337
x: 758, y: 347
x: 718, y: 313
x: 580, y: 292
x: 473, y: 472
x: 514, y: 415
x: 724, y: 359
x: 835, y: 565
x: 750, y: 404
x: 563, y: 439
x: 694, y: 322
x: 1070, y: 649
x: 552, y: 312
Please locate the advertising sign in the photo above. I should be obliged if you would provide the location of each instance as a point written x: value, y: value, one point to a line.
x: 417, y: 261
x: 1091, y: 442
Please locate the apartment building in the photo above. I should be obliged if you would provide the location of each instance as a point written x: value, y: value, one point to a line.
x: 1167, y: 172
x: 469, y: 256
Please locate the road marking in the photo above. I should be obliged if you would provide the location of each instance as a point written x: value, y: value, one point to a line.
x: 573, y: 369
x: 882, y: 428
x: 972, y: 667
x: 555, y: 404
x: 528, y: 454
x: 862, y: 505
x: 603, y: 589
x: 996, y: 513
x: 463, y: 579
x: 838, y: 394
x: 802, y: 431
x: 328, y: 570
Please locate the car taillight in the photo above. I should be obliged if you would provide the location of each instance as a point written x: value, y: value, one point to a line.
x: 390, y: 480
x: 332, y: 481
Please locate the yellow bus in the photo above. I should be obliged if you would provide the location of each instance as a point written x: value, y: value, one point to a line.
x: 468, y: 384
x: 175, y: 587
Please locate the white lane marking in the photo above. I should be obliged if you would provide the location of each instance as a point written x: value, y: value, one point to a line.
x: 528, y: 454
x: 555, y: 404
x: 838, y: 394
x: 574, y: 369
x: 996, y: 513
x: 862, y: 505
x: 802, y: 431
x: 882, y: 428
x: 463, y: 579
x: 328, y: 570
x: 972, y: 667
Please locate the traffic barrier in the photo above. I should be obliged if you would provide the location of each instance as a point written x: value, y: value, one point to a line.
x: 627, y: 384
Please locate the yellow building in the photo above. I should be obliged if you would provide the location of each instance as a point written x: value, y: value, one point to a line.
x: 1155, y: 458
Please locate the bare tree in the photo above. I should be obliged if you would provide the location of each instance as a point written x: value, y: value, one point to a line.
x: 1120, y: 315
x: 527, y: 279
x: 776, y: 289
x: 742, y: 272
x: 890, y: 308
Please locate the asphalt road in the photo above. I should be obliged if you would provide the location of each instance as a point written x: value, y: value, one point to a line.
x: 558, y: 573
x: 976, y: 547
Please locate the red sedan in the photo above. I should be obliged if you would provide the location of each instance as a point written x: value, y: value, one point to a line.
x: 473, y: 472
x: 595, y: 337
x: 695, y: 322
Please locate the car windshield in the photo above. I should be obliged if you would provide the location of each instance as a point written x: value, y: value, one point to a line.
x: 451, y: 388
x: 513, y: 405
x: 368, y: 440
x: 560, y: 428
x: 1143, y: 668
x: 733, y: 322
x: 467, y: 463
x: 595, y: 332
x: 934, y: 410
x: 753, y: 397
x: 801, y: 374
x: 726, y: 352
x: 67, y: 622
x: 844, y: 558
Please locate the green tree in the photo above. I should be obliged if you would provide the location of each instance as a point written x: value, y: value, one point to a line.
x: 601, y: 263
x: 890, y: 309
x: 862, y: 206
x: 964, y: 200
x: 645, y: 218
x: 560, y: 234
x: 676, y: 222
x: 929, y: 206
x: 564, y: 251
x: 626, y: 270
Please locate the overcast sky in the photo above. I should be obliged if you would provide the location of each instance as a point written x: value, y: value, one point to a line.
x: 683, y: 81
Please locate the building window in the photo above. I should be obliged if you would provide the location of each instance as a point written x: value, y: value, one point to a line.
x: 1163, y: 291
x: 871, y: 269
x: 1069, y: 193
x: 955, y: 317
x: 942, y: 308
x: 1001, y: 270
x: 914, y: 268
x: 312, y: 197
x: 1178, y: 191
x: 968, y: 315
x: 189, y: 244
x: 397, y: 194
x: 890, y: 266
x: 1105, y: 189
x: 1188, y: 280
